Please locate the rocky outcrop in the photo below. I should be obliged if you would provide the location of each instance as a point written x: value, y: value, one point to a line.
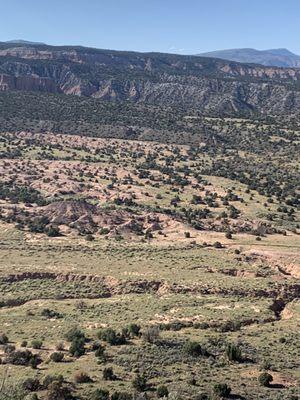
x: 210, y: 85
x: 28, y: 83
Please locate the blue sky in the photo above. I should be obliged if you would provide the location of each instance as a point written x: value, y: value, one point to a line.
x: 177, y: 26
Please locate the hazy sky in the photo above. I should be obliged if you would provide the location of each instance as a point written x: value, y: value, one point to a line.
x: 177, y: 26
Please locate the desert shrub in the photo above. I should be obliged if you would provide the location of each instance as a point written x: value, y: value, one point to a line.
x: 192, y: 381
x: 57, y: 356
x: 201, y: 325
x: 47, y: 313
x: 80, y: 305
x: 121, y: 396
x: 58, y: 391
x: 217, y: 245
x: 110, y: 336
x: 81, y: 377
x: 77, y: 348
x: 233, y: 352
x: 162, y: 391
x: 60, y: 346
x: 89, y: 238
x: 3, y: 339
x: 38, y: 224
x: 23, y: 357
x: 221, y: 390
x: 24, y: 343
x: 202, y: 396
x: 151, y: 334
x: 36, y: 344
x: 100, y: 394
x: 228, y: 235
x: 34, y: 361
x: 187, y: 235
x: 9, y: 348
x: 194, y: 349
x: 74, y: 333
x: 134, y: 330
x: 52, y: 378
x: 100, y: 353
x: 52, y: 231
x: 230, y: 326
x: 265, y: 379
x: 108, y: 374
x: 103, y: 231
x: 95, y: 345
x: 31, y: 384
x: 139, y: 383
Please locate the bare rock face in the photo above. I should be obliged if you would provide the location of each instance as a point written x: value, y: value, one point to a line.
x: 210, y: 85
x: 28, y: 83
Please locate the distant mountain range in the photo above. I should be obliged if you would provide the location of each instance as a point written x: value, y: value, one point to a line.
x: 274, y: 57
x: 21, y: 41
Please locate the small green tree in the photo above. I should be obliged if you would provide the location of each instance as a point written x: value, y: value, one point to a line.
x: 77, y: 348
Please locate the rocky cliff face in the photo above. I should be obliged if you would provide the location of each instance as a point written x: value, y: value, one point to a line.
x: 210, y: 85
x: 28, y: 83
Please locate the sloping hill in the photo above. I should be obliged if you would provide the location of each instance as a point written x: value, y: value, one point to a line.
x: 273, y: 57
x: 138, y: 83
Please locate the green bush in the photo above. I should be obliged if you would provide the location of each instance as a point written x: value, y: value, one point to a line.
x: 36, y: 344
x: 74, y: 333
x: 100, y: 394
x: 134, y: 330
x: 139, y: 383
x: 112, y: 337
x: 121, y: 396
x: 151, y: 334
x: 3, y: 339
x: 23, y: 357
x: 194, y: 349
x: 82, y: 377
x: 265, y: 379
x: 77, y: 348
x: 59, y: 391
x: 31, y: 384
x: 57, y: 356
x: 52, y: 378
x: 108, y: 374
x: 233, y: 352
x: 221, y: 390
x: 162, y: 391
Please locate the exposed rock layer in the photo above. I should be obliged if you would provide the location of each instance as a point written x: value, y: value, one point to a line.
x: 209, y: 85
